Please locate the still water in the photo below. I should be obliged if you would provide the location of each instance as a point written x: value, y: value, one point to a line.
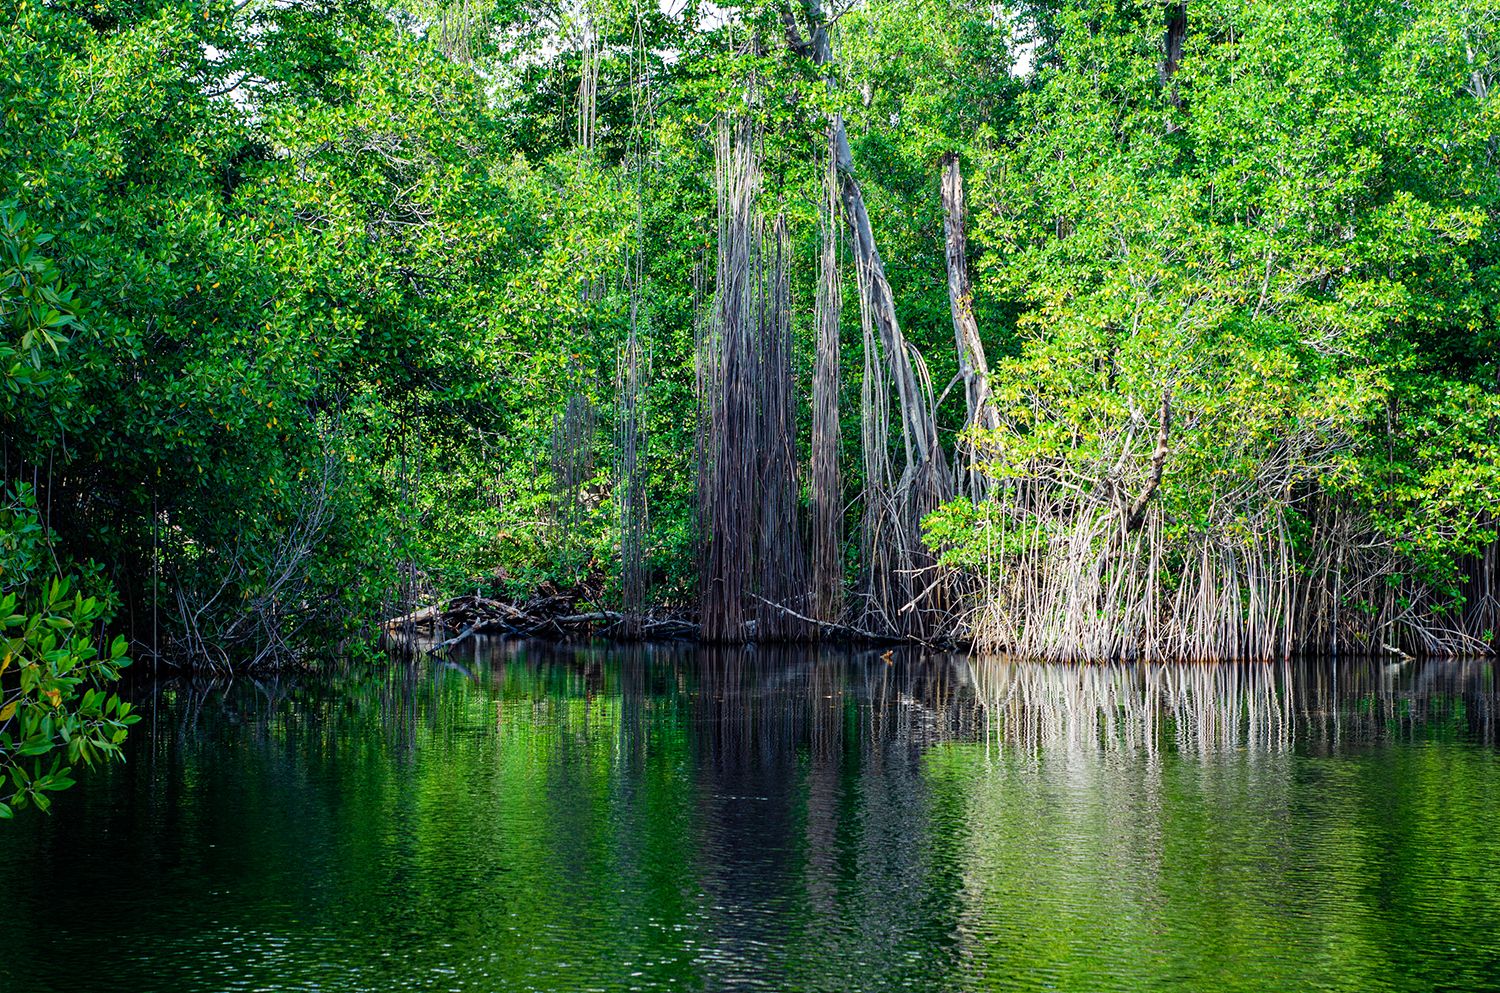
x: 591, y: 818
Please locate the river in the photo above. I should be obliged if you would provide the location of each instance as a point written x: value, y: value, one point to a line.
x: 571, y: 818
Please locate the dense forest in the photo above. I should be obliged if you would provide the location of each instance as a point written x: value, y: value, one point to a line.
x: 1079, y: 329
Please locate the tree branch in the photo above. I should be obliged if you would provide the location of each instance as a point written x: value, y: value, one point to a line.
x: 1137, y: 514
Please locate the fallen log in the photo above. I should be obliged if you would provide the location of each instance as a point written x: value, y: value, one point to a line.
x: 418, y: 618
x: 468, y: 633
x: 595, y: 618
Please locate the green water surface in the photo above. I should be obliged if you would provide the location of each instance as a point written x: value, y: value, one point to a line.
x: 592, y: 818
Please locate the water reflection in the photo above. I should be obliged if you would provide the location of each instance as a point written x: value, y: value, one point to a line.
x: 758, y: 707
x: 772, y: 700
x: 586, y: 817
x: 1216, y: 706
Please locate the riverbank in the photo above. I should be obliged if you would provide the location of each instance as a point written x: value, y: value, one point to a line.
x: 554, y: 612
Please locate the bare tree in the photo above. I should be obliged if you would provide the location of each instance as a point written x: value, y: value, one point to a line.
x: 972, y: 365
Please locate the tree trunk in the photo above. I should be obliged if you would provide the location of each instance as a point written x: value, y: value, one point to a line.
x: 918, y: 423
x: 972, y: 365
x: 827, y: 496
x: 1176, y: 35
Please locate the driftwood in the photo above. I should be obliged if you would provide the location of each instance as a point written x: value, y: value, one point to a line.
x: 549, y: 613
x: 417, y: 618
x: 557, y: 614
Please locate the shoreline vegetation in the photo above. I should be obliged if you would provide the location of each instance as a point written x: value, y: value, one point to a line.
x: 550, y: 614
x: 1074, y: 329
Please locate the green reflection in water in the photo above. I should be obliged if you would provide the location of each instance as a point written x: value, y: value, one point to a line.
x: 590, y: 818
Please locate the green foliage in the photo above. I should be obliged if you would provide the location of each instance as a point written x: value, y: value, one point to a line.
x: 36, y: 308
x: 1296, y: 236
x: 55, y: 707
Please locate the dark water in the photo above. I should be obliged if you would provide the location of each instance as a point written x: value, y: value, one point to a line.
x: 608, y: 819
